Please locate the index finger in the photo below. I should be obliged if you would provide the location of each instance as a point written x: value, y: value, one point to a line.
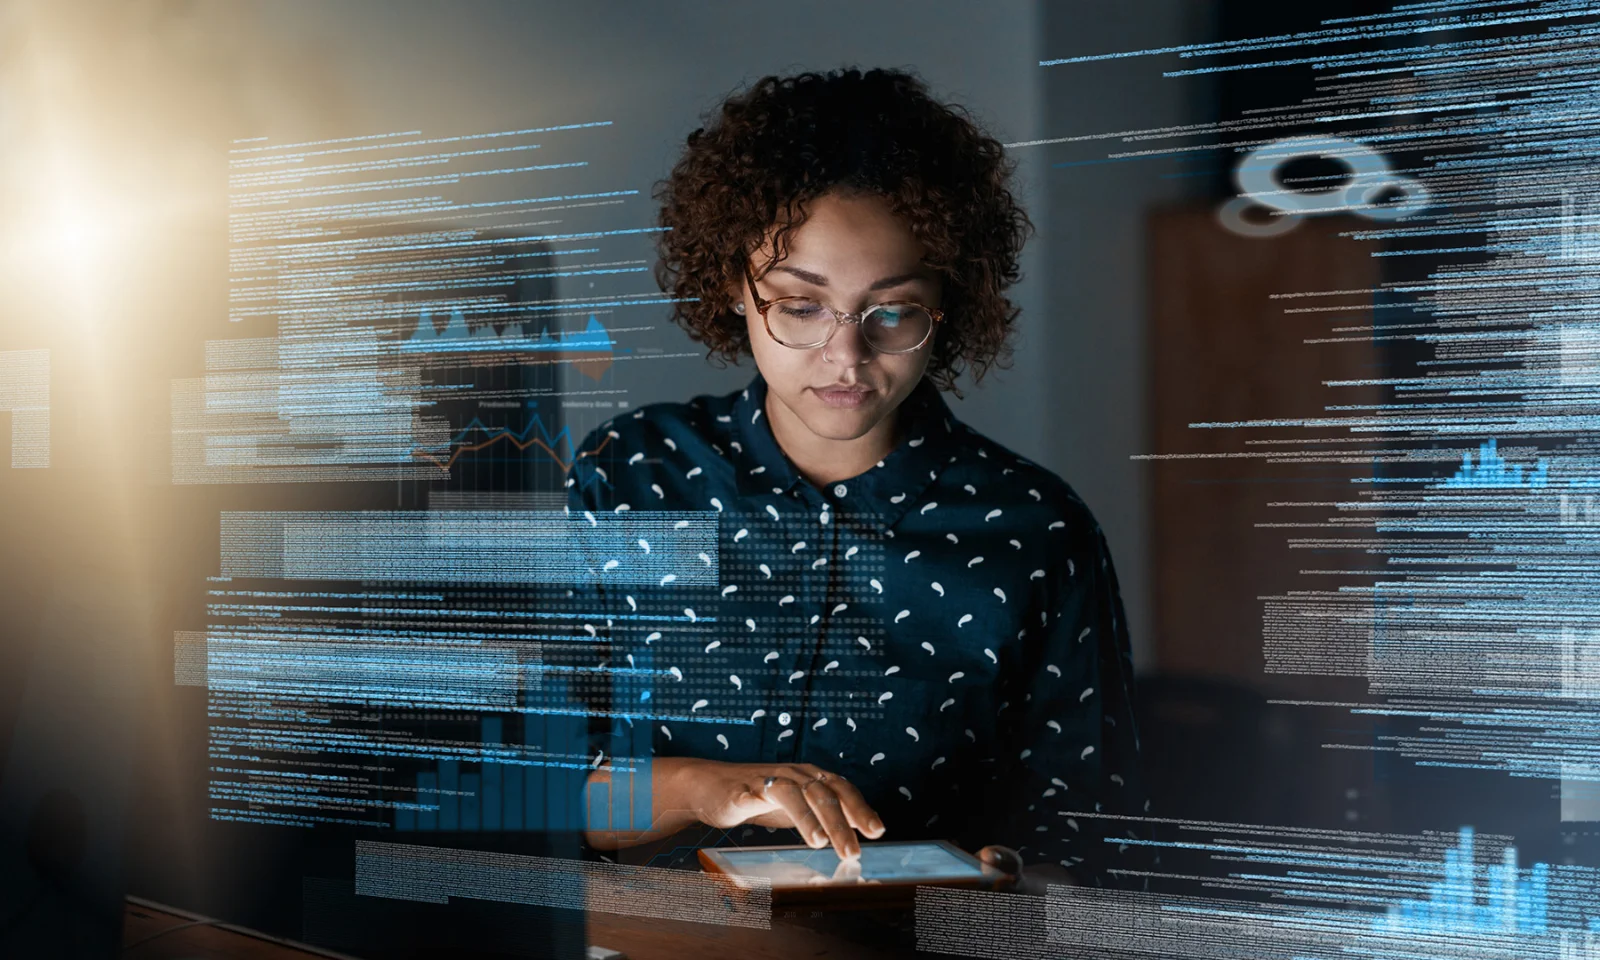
x: 829, y: 811
x: 856, y: 809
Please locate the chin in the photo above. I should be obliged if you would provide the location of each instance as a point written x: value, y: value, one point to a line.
x: 840, y: 424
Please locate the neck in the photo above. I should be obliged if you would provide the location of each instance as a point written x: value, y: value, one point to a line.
x: 821, y: 460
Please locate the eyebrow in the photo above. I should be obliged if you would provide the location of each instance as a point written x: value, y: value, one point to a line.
x: 818, y: 280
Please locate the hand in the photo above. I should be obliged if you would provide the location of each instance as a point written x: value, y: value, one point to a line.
x: 1007, y: 864
x: 1013, y: 877
x: 824, y: 807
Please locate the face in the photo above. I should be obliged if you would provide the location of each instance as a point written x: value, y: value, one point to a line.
x: 849, y: 245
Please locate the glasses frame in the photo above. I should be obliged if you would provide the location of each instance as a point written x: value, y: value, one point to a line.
x: 840, y: 318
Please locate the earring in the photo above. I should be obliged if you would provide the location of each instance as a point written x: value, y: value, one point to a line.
x: 738, y: 308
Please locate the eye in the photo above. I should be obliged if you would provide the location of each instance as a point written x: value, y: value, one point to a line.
x: 801, y: 309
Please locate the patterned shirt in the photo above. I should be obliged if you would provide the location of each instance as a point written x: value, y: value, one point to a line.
x: 944, y: 630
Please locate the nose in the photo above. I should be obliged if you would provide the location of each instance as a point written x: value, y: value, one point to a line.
x: 848, y: 347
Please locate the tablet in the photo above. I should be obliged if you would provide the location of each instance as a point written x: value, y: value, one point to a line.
x: 885, y: 872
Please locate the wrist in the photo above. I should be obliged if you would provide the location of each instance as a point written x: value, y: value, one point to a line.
x: 675, y: 785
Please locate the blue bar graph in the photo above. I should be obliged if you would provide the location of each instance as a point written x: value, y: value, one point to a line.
x: 471, y: 797
x: 449, y: 795
x: 625, y: 803
x: 1493, y: 470
x: 511, y: 812
x: 493, y: 796
x: 1516, y: 901
x: 427, y: 792
x: 538, y: 795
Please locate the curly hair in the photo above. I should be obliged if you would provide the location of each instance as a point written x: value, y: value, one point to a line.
x: 790, y: 139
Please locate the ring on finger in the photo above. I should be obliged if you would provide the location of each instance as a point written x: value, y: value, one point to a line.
x: 768, y: 782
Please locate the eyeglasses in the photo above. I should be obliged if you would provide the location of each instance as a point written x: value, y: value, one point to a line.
x: 894, y: 326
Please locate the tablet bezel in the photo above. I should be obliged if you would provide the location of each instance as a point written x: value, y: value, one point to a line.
x: 855, y: 893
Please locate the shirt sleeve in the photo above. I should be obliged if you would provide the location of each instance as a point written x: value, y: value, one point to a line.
x: 591, y: 607
x: 1070, y: 730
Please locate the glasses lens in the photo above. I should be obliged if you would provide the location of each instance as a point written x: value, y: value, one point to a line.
x: 897, y: 327
x: 891, y: 328
x: 801, y: 323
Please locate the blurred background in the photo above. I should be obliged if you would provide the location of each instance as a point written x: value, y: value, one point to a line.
x: 1142, y: 314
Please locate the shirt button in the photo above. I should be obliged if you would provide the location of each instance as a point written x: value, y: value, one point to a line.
x: 784, y: 719
x: 840, y: 490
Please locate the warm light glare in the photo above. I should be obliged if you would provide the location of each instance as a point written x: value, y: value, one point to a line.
x: 72, y: 239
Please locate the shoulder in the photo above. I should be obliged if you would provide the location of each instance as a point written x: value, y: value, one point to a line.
x: 702, y: 420
x: 644, y: 455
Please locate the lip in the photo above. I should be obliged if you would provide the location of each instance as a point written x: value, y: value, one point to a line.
x: 844, y: 397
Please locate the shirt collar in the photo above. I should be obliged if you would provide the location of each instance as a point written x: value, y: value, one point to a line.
x: 890, y: 488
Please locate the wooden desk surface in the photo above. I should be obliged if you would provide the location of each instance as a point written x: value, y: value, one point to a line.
x: 154, y: 932
x: 842, y: 936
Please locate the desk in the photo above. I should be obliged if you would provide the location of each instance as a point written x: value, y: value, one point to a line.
x: 178, y: 934
x: 152, y: 931
x: 839, y: 936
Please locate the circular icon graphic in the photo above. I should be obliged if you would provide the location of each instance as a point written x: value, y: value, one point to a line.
x: 1231, y: 215
x: 1413, y: 198
x: 1259, y: 179
x: 1258, y: 174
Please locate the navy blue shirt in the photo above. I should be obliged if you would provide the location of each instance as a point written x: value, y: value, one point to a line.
x: 944, y: 629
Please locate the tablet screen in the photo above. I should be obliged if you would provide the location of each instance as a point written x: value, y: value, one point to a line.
x: 879, y: 862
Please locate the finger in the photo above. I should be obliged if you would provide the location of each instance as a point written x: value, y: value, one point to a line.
x: 1005, y: 866
x: 848, y: 869
x: 830, y: 813
x: 856, y: 809
x: 1003, y: 858
x: 786, y: 794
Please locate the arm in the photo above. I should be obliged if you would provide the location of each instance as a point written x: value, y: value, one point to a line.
x: 1074, y: 735
x: 683, y: 791
x: 590, y: 603
x: 671, y: 807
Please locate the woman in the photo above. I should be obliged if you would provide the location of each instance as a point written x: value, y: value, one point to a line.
x: 918, y: 632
